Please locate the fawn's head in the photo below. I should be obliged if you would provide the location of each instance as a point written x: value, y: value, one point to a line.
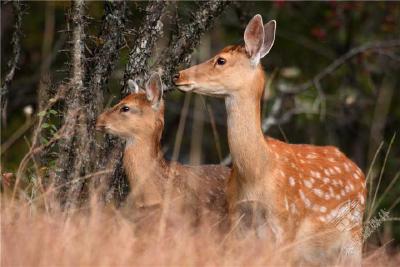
x: 234, y: 67
x: 140, y: 115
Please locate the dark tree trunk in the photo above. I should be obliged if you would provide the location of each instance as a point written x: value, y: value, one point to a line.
x: 73, y: 161
x: 79, y: 154
x: 187, y: 37
x: 99, y: 71
x: 13, y: 63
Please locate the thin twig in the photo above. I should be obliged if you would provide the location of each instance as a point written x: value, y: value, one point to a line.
x: 34, y: 150
x: 340, y: 61
x: 214, y: 129
x: 17, y: 134
x: 79, y: 179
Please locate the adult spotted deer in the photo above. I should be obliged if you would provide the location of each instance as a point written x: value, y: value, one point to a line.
x: 139, y: 118
x: 308, y: 196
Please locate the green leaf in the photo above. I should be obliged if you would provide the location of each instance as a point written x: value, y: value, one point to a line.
x: 42, y: 113
x: 45, y: 125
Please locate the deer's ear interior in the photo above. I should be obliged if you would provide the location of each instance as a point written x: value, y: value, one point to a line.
x: 154, y: 90
x: 269, y: 37
x: 133, y: 87
x: 254, y: 38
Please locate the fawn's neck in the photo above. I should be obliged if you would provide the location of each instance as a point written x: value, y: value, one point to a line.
x: 146, y: 169
x: 246, y: 139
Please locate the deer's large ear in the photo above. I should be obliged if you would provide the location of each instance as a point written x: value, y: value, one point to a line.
x: 154, y: 90
x: 254, y: 38
x: 133, y: 87
x: 269, y: 37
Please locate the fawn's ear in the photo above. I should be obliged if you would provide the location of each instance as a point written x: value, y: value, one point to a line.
x: 154, y: 90
x: 269, y: 37
x: 254, y: 38
x: 133, y: 87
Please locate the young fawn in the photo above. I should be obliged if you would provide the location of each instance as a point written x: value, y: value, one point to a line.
x: 295, y: 194
x: 139, y: 118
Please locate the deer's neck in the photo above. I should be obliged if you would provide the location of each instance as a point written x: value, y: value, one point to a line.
x: 246, y: 139
x: 146, y: 170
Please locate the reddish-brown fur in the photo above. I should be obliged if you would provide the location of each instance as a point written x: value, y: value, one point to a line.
x: 194, y: 188
x: 310, y: 195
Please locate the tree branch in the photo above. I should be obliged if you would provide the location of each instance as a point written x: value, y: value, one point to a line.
x: 187, y: 38
x: 16, y: 51
x: 149, y: 32
x: 380, y: 45
x: 73, y: 159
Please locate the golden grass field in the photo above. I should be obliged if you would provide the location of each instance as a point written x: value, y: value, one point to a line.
x: 38, y: 235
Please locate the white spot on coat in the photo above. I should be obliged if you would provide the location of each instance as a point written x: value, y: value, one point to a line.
x: 322, y: 209
x: 337, y: 169
x: 362, y: 200
x: 318, y: 192
x: 307, y: 183
x: 306, y: 201
x: 292, y: 181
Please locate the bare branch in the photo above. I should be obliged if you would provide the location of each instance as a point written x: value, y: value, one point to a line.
x: 188, y: 36
x: 110, y: 39
x: 16, y: 51
x: 149, y: 32
x: 35, y: 148
x: 380, y: 45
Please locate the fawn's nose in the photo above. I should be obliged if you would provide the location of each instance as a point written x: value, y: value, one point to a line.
x: 175, y: 77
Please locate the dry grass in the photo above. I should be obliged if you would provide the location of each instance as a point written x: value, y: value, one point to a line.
x: 34, y: 232
x: 101, y: 236
x: 104, y: 236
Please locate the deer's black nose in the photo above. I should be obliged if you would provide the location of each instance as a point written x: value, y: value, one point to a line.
x: 175, y: 77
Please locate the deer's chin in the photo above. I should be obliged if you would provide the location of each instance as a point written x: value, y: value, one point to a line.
x: 200, y: 90
x: 185, y: 87
x: 109, y: 130
x: 209, y: 92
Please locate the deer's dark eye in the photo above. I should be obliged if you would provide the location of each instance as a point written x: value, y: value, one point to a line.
x: 124, y: 109
x: 221, y: 61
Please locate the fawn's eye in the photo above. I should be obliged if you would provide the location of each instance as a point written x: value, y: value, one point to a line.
x: 124, y: 109
x: 221, y: 61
